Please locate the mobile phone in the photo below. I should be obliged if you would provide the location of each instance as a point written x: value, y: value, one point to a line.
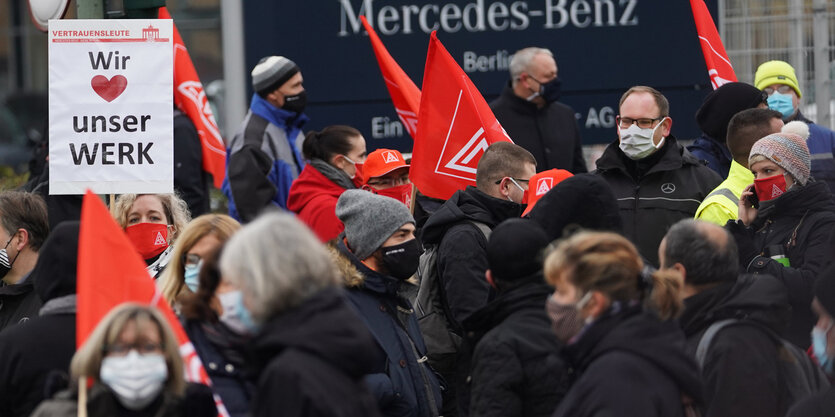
x: 752, y: 199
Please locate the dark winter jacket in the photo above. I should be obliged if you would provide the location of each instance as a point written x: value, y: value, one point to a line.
x: 549, y: 133
x: 190, y: 181
x: 516, y: 368
x: 818, y: 405
x: 655, y: 192
x: 222, y: 353
x: 799, y: 224
x: 37, y: 354
x: 741, y: 368
x: 462, y: 255
x: 18, y: 303
x: 408, y: 387
x: 102, y: 402
x: 717, y: 155
x: 821, y: 144
x: 584, y: 200
x: 263, y: 159
x: 313, y: 198
x: 312, y: 360
x: 629, y: 363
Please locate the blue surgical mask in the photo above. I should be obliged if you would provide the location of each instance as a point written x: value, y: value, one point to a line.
x: 781, y: 103
x: 235, y: 314
x: 819, y: 348
x: 192, y: 276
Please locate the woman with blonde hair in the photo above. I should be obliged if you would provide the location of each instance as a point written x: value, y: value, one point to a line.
x: 133, y: 360
x: 199, y: 238
x: 152, y: 223
x: 627, y: 356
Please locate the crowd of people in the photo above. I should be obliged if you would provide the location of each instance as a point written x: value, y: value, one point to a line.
x: 666, y: 282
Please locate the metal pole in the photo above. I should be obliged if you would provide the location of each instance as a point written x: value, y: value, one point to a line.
x: 90, y: 9
x: 821, y: 45
x: 797, y: 55
x: 234, y: 71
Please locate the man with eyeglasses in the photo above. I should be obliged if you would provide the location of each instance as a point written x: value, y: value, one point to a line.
x: 530, y: 113
x: 655, y: 180
x: 778, y: 80
x: 387, y: 173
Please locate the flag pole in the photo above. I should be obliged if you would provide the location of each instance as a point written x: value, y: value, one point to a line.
x: 82, y: 396
x: 113, y: 205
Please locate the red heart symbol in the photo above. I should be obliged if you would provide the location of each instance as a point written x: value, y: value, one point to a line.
x: 109, y: 89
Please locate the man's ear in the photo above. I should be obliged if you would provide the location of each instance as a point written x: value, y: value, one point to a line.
x: 597, y: 305
x: 681, y: 270
x: 667, y: 126
x: 489, y: 276
x: 23, y: 239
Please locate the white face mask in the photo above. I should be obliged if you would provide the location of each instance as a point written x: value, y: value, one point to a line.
x: 637, y: 143
x: 136, y: 378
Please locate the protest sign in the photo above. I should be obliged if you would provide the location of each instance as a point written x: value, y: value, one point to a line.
x: 111, y: 106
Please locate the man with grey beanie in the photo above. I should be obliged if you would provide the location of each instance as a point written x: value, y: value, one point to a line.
x: 377, y: 253
x: 263, y: 156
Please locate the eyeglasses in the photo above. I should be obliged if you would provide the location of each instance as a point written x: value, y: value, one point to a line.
x: 499, y: 181
x: 783, y: 89
x: 191, y: 259
x: 389, y: 182
x: 121, y: 349
x: 625, y: 122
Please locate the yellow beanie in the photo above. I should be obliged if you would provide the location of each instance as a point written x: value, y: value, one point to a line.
x: 776, y: 72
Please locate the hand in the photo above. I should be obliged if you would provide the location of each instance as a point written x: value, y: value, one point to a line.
x: 747, y: 213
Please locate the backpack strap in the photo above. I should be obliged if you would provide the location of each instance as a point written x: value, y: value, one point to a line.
x: 707, y: 338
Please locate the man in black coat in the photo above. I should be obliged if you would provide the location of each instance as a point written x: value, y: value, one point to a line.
x: 655, y: 180
x: 516, y: 369
x: 530, y: 113
x: 37, y: 353
x: 741, y: 366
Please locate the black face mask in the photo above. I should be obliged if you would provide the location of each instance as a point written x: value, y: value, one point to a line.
x: 295, y: 103
x: 550, y: 91
x: 401, y: 261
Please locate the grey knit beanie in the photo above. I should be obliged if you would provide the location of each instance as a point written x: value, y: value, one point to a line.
x: 272, y: 72
x: 370, y: 219
x: 787, y: 150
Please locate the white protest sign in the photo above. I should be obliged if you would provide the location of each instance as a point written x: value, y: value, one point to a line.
x: 111, y: 106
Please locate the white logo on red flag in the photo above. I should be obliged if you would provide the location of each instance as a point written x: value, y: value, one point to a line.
x: 409, y: 120
x: 390, y: 157
x: 544, y: 185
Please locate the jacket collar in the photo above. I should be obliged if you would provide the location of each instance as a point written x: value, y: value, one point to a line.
x: 373, y: 280
x: 276, y: 116
x: 518, y: 104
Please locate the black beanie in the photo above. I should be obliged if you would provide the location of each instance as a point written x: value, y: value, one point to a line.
x: 54, y: 274
x: 722, y: 104
x: 514, y: 250
x: 825, y: 289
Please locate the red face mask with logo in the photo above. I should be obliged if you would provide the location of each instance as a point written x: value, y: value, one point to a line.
x: 149, y: 239
x: 770, y: 188
x: 401, y: 193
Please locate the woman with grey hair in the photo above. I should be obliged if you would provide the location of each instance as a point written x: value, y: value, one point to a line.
x: 310, y: 348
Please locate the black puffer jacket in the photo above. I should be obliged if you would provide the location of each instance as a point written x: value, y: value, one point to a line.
x: 800, y: 224
x: 549, y: 133
x: 655, y: 192
x: 462, y: 255
x: 516, y: 369
x: 629, y: 363
x: 741, y: 369
x: 312, y: 360
x: 818, y: 405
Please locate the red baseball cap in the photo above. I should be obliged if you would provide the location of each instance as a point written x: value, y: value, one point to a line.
x: 381, y: 162
x: 541, y: 183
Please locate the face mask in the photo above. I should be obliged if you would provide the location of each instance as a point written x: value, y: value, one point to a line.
x: 149, y: 239
x: 401, y: 261
x: 192, y: 276
x: 357, y: 170
x: 636, y: 143
x: 235, y: 314
x: 781, y: 103
x: 770, y: 188
x: 295, y: 103
x: 550, y: 91
x: 5, y: 265
x: 136, y: 378
x: 401, y: 193
x: 565, y: 318
x: 819, y: 349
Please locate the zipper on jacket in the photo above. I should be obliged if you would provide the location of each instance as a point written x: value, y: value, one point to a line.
x: 635, y: 217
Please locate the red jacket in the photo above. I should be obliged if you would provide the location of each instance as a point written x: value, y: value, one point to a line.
x: 313, y: 197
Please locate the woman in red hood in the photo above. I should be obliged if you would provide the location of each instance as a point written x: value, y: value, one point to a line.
x: 334, y: 159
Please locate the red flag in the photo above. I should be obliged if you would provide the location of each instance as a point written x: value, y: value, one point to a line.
x: 191, y: 99
x: 110, y: 272
x: 455, y: 127
x: 404, y: 93
x: 719, y: 67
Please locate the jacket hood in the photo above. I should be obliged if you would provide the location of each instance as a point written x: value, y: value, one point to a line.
x: 584, y: 200
x: 468, y: 204
x: 670, y: 157
x: 813, y: 197
x: 310, y: 185
x: 357, y: 275
x: 760, y: 298
x: 325, y: 326
x: 54, y: 274
x: 641, y: 333
x: 525, y: 297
